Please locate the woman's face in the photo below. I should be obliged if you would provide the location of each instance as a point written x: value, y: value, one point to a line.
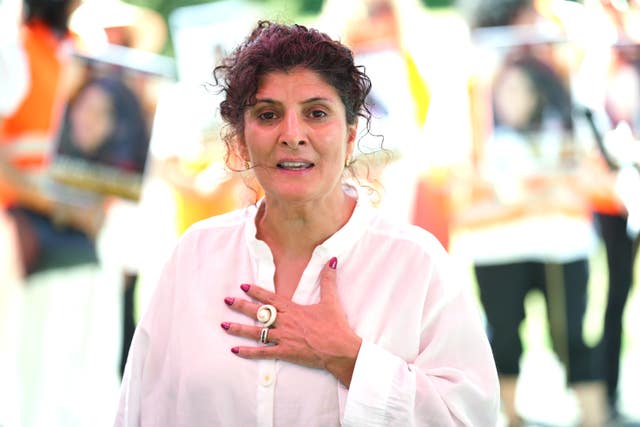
x: 515, y: 99
x: 92, y: 119
x: 296, y: 136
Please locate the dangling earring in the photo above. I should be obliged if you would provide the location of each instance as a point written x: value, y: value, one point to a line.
x: 347, y: 163
x: 247, y: 165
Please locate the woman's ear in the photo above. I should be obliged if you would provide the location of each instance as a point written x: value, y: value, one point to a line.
x: 238, y: 155
x: 352, y: 133
x: 241, y: 149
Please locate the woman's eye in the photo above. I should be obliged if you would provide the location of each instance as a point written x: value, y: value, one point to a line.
x: 267, y: 115
x: 318, y: 114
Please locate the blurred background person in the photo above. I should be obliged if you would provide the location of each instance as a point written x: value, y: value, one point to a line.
x: 144, y: 31
x: 195, y: 171
x: 45, y: 234
x: 13, y: 86
x: 414, y: 56
x: 608, y: 88
x: 399, y: 98
x: 50, y: 234
x: 187, y: 175
x: 527, y: 219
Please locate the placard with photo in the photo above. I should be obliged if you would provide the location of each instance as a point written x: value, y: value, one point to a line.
x: 103, y: 139
x: 523, y: 105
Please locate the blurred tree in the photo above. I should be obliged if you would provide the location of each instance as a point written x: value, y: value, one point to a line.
x: 289, y: 9
x: 311, y: 6
x: 165, y: 7
x: 292, y: 7
x: 435, y: 4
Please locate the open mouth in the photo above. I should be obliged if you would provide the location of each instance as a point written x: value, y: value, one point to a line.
x: 295, y: 166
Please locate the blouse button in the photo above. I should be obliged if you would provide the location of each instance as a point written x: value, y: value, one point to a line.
x: 266, y: 379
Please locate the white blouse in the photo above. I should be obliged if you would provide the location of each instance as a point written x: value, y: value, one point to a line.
x: 424, y: 360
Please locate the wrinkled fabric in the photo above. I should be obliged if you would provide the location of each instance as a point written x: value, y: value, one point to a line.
x: 424, y: 361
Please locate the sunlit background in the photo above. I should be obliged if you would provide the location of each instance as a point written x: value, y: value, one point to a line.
x: 62, y: 331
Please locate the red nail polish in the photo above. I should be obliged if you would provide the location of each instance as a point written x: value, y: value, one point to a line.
x: 235, y: 350
x: 225, y: 325
x: 333, y: 262
x: 245, y: 287
x: 229, y: 300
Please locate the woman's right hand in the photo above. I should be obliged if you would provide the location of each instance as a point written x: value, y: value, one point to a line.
x: 316, y: 335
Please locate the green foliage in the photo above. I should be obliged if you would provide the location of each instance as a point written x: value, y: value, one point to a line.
x: 279, y: 9
x: 165, y: 7
x: 311, y: 7
x: 435, y: 4
x: 291, y: 8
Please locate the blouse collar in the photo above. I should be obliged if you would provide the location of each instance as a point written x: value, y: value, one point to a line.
x: 338, y: 243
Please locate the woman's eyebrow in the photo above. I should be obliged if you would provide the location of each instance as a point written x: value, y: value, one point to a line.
x: 317, y: 99
x: 266, y: 101
x: 306, y: 101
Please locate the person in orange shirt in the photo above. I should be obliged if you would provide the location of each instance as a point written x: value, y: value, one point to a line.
x: 50, y: 234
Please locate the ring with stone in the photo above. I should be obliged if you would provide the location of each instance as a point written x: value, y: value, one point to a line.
x: 267, y: 315
x: 264, y: 336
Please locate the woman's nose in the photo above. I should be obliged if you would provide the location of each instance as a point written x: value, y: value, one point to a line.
x: 292, y: 134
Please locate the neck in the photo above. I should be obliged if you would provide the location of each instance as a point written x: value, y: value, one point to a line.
x: 298, y: 228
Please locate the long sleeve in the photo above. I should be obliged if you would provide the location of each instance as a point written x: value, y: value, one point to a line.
x: 451, y: 382
x: 128, y: 414
x: 146, y: 359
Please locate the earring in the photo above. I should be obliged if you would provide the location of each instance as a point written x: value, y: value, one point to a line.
x: 247, y: 165
x: 347, y: 163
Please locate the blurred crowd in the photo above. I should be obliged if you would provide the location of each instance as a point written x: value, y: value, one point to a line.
x: 510, y: 129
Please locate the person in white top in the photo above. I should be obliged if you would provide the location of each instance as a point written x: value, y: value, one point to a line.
x: 14, y: 68
x: 309, y: 308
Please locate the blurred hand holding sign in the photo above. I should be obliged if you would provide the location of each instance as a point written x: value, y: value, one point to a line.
x: 195, y: 169
x: 120, y: 23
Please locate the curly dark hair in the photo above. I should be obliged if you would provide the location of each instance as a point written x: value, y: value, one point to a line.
x: 277, y: 47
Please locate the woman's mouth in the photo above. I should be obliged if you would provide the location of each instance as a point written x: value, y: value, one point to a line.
x: 295, y: 166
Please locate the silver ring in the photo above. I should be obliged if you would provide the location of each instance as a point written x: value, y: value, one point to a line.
x: 267, y: 315
x: 264, y: 336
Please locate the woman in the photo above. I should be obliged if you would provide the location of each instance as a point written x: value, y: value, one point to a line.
x: 365, y: 322
x: 105, y: 124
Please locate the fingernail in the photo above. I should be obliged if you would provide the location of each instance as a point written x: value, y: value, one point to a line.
x: 245, y: 287
x: 225, y: 325
x: 229, y: 300
x: 333, y: 262
x: 235, y: 350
